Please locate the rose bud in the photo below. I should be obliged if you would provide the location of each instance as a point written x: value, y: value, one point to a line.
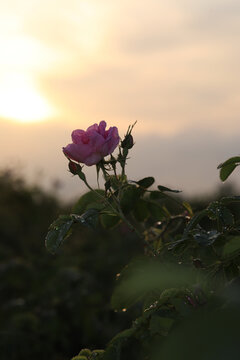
x: 127, y: 142
x: 74, y: 168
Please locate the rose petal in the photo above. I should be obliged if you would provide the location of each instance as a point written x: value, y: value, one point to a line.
x: 96, y: 141
x: 112, y: 139
x: 93, y: 159
x: 77, y: 136
x: 78, y: 152
x: 102, y: 127
x: 92, y: 127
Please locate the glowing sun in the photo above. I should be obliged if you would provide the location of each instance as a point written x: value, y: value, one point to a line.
x: 21, y: 101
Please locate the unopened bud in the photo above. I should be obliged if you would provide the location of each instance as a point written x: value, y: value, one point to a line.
x: 127, y: 142
x: 74, y: 168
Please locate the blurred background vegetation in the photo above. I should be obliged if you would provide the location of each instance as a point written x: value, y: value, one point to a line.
x: 52, y: 306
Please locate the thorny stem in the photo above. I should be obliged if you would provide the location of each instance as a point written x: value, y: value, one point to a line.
x: 122, y: 216
x: 100, y: 196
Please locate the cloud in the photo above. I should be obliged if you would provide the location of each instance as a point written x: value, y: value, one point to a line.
x: 165, y: 64
x: 177, y: 24
x: 168, y: 101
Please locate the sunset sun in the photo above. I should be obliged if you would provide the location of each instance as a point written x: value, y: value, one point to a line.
x: 21, y: 101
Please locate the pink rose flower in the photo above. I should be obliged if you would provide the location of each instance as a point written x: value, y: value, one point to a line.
x: 92, y: 145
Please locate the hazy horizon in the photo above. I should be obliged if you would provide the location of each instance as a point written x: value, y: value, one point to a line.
x: 187, y: 161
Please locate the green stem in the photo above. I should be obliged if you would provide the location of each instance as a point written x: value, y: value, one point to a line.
x: 114, y: 170
x: 100, y: 196
x: 121, y: 215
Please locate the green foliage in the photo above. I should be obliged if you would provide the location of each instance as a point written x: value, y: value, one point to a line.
x: 228, y: 166
x: 60, y: 229
x: 142, y: 277
x: 115, y: 347
x: 109, y: 220
x: 225, y: 171
x: 157, y: 212
x: 204, y: 335
x: 146, y: 182
x: 141, y: 211
x: 98, y: 354
x: 85, y: 352
x: 186, y: 284
x: 164, y: 188
x: 58, y: 232
x: 129, y: 198
x: 89, y: 218
x: 196, y: 256
x: 85, y: 202
x: 160, y: 325
x: 192, y: 258
x: 51, y: 305
x: 232, y: 247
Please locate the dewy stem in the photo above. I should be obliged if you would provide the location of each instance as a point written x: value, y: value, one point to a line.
x: 121, y: 215
x: 102, y: 197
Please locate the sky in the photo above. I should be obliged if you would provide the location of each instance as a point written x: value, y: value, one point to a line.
x: 172, y: 66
